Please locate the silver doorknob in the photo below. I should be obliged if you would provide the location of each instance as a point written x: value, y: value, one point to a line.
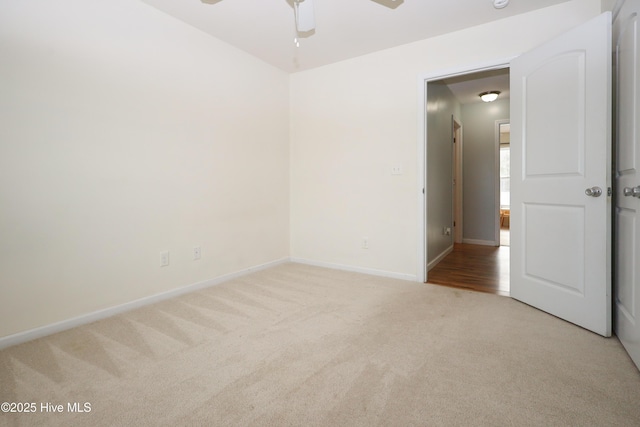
x: 593, y: 192
x: 634, y: 192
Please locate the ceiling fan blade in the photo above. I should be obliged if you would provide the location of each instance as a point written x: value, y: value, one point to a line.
x: 305, y: 18
x: 391, y: 4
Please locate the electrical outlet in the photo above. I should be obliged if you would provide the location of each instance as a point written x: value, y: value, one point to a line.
x: 396, y: 170
x: 164, y: 259
x: 197, y: 253
x: 446, y: 231
x: 365, y: 243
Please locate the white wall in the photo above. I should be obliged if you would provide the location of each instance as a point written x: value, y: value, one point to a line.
x: 442, y: 106
x: 124, y: 133
x: 479, y: 168
x: 352, y: 121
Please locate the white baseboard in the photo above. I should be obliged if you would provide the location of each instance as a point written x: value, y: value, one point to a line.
x: 439, y: 257
x: 479, y: 242
x: 371, y: 271
x: 53, y: 328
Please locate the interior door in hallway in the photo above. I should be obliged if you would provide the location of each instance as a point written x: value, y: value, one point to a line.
x: 560, y: 160
x: 627, y: 284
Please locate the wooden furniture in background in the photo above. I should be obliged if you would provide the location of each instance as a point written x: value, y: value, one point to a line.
x: 504, y: 217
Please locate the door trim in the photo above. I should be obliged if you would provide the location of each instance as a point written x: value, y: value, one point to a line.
x: 423, y: 80
x: 458, y: 208
x: 497, y: 174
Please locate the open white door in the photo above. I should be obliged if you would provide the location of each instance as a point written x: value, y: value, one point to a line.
x: 627, y: 289
x: 560, y: 157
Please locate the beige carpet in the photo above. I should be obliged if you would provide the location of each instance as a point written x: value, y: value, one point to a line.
x: 306, y: 346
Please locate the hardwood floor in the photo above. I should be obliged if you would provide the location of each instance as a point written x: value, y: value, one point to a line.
x: 481, y: 268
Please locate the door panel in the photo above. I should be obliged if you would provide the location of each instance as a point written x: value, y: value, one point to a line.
x: 627, y: 247
x: 554, y: 258
x: 561, y: 142
x: 562, y: 119
x: 627, y: 291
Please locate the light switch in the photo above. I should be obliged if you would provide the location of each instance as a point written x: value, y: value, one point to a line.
x: 164, y: 258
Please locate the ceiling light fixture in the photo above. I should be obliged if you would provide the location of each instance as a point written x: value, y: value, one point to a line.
x: 489, y: 96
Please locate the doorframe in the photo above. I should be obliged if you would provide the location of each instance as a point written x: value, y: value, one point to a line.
x: 458, y: 177
x: 423, y: 80
x: 498, y: 207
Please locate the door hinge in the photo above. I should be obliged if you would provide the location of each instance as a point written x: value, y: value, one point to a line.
x: 609, y: 191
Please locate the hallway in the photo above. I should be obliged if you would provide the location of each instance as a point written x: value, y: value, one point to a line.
x: 476, y: 267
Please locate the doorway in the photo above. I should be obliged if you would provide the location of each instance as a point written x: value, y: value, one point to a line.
x: 561, y: 229
x: 475, y: 201
x: 480, y: 268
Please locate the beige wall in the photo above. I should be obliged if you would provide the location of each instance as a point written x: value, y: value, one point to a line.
x: 352, y: 121
x: 124, y: 133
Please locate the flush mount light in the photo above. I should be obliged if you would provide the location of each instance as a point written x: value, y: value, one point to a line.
x: 499, y: 4
x: 489, y: 96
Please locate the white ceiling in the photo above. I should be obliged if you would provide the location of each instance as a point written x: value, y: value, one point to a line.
x: 344, y: 28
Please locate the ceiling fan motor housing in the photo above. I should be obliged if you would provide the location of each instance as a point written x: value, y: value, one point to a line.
x: 305, y: 19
